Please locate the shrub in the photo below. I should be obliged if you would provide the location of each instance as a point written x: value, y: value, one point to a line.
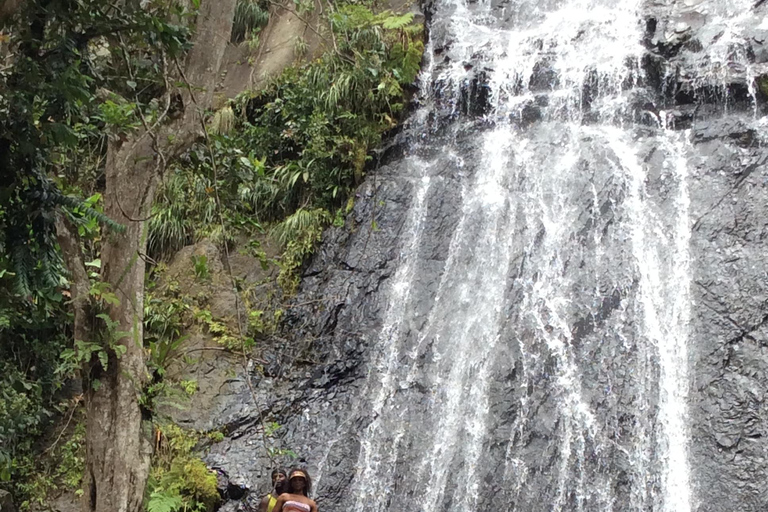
x: 179, y: 480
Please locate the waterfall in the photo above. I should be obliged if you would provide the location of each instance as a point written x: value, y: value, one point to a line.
x: 561, y: 305
x: 534, y: 349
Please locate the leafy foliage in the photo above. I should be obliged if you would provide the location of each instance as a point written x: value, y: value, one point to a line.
x: 33, y: 333
x: 59, y: 467
x: 300, y: 232
x: 166, y: 314
x: 52, y: 119
x: 163, y: 502
x: 82, y: 74
x: 179, y: 480
x: 291, y: 153
x: 250, y: 17
x: 185, y: 212
x: 74, y: 74
x: 201, y: 267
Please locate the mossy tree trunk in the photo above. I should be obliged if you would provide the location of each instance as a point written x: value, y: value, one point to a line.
x: 118, y: 439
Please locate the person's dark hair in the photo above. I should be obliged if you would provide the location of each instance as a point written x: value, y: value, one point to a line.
x: 276, y: 472
x: 307, y: 486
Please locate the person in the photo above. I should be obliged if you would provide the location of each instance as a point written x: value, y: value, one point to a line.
x: 296, y: 499
x: 278, y: 487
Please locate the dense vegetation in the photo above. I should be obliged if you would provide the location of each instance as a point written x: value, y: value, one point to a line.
x: 288, y: 156
x: 82, y: 74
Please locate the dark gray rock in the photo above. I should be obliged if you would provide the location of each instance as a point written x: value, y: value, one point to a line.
x: 6, y: 502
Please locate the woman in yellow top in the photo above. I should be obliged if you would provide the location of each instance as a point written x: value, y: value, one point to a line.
x: 297, y: 498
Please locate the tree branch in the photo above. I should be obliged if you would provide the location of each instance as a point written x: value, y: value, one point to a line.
x: 203, y: 63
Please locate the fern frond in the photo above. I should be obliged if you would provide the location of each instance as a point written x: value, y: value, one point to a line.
x: 51, y: 266
x: 77, y: 205
x: 301, y: 221
x: 20, y: 259
x: 163, y: 502
x: 394, y: 22
x: 223, y: 122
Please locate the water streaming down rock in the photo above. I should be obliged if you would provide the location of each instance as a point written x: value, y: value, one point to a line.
x: 549, y: 316
x: 514, y: 239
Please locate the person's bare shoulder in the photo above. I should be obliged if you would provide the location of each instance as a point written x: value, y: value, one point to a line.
x: 280, y: 502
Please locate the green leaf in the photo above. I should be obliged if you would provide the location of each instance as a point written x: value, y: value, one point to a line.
x: 110, y: 298
x: 161, y: 502
x: 396, y: 22
x: 103, y: 358
x: 111, y: 324
x: 95, y: 263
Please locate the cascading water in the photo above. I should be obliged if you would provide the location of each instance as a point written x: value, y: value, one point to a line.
x: 531, y: 289
x: 564, y: 305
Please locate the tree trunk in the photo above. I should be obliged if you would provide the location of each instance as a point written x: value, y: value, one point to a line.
x: 118, y: 443
x: 7, y: 9
x: 118, y: 440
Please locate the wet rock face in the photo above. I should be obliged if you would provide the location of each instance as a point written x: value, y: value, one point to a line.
x: 323, y: 382
x: 710, y: 51
x: 322, y: 366
x: 729, y: 413
x: 714, y: 73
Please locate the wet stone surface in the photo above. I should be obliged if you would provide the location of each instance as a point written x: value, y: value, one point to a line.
x: 564, y: 402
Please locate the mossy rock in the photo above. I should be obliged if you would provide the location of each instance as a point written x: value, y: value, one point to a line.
x: 762, y: 85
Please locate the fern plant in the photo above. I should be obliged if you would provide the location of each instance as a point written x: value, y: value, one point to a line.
x: 302, y: 221
x: 250, y: 17
x: 164, y: 501
x: 179, y: 480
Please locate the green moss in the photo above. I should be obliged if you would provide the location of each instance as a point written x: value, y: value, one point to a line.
x: 762, y: 84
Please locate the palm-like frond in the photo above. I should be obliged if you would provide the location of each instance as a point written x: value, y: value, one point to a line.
x: 223, y: 122
x: 249, y: 18
x: 300, y: 222
x: 170, y: 228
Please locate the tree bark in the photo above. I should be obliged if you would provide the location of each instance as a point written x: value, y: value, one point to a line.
x: 7, y: 9
x: 118, y: 440
x: 118, y: 446
x: 79, y: 289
